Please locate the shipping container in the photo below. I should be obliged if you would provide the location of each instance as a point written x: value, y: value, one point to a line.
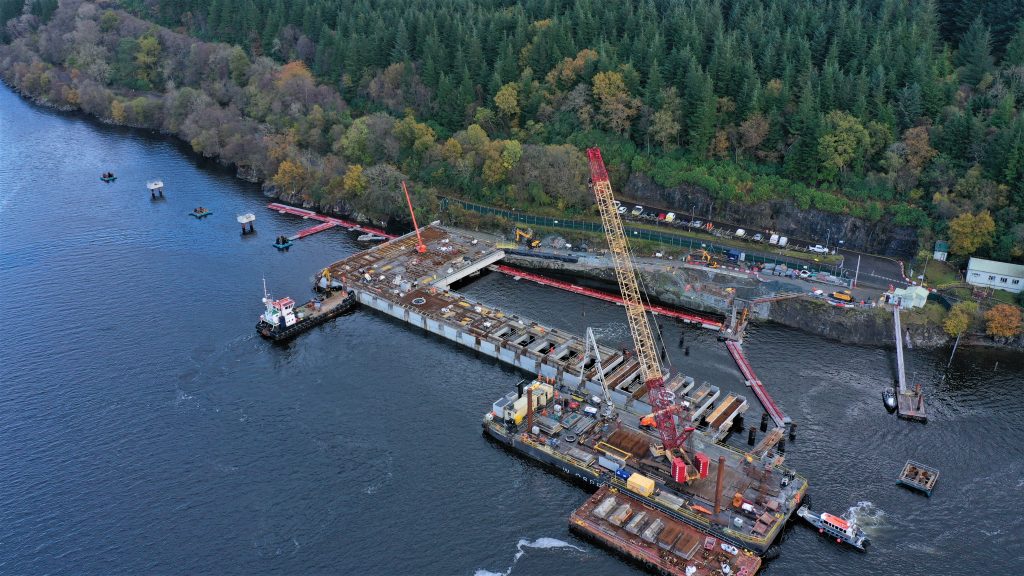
x: 608, y: 463
x: 669, y: 500
x: 636, y: 523
x: 640, y: 484
x: 602, y: 509
x: 620, y: 515
x: 652, y: 531
x: 586, y: 457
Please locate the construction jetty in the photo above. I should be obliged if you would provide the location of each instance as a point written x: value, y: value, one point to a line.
x: 909, y: 400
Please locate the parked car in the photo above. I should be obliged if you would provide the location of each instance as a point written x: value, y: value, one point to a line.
x: 670, y: 217
x: 622, y: 209
x: 637, y: 210
x: 696, y: 224
x: 805, y: 274
x: 740, y: 233
x: 774, y: 239
x: 783, y: 241
x: 661, y: 216
x: 758, y: 237
x: 818, y: 248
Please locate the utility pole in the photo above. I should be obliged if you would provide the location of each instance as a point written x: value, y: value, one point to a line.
x: 857, y: 273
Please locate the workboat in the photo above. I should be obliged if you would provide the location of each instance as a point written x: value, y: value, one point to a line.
x: 889, y: 399
x: 841, y: 529
x: 108, y: 177
x: 282, y: 243
x: 282, y: 320
x: 370, y: 237
x: 200, y: 213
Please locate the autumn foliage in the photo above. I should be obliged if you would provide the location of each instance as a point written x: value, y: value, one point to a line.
x: 1003, y: 321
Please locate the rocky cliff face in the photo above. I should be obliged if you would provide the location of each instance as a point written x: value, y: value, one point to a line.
x: 872, y: 327
x: 880, y: 237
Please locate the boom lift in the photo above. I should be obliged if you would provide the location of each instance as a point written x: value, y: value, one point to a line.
x: 661, y: 399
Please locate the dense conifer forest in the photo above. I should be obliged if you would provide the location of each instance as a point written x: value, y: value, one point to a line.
x: 900, y: 112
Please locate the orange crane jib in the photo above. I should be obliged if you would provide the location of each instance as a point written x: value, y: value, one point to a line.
x: 646, y: 350
x: 420, y: 246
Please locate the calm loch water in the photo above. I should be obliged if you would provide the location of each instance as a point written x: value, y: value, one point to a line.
x: 145, y: 429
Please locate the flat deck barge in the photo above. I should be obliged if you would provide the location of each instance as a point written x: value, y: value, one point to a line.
x: 919, y: 477
x: 656, y: 540
x: 757, y: 495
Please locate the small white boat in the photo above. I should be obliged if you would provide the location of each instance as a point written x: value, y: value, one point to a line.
x: 370, y: 237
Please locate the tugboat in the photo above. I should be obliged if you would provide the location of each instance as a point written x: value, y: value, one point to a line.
x: 108, y: 177
x: 282, y: 320
x: 841, y: 529
x: 889, y: 399
x: 200, y: 213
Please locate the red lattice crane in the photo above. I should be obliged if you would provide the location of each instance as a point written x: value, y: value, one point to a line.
x: 661, y: 399
x: 420, y: 246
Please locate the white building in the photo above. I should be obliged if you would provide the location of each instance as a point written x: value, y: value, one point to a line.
x: 992, y: 274
x: 910, y: 297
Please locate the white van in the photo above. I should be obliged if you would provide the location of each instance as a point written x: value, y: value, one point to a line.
x: 740, y: 233
x: 783, y: 241
x: 774, y: 239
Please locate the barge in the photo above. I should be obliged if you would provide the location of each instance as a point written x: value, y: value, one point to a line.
x: 919, y: 477
x: 744, y: 499
x: 656, y: 540
x: 282, y: 320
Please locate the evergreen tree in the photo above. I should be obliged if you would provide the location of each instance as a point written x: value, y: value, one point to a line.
x: 1015, y: 49
x: 802, y: 158
x: 974, y: 56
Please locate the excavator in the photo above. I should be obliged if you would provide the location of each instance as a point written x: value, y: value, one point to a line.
x: 683, y: 467
x: 526, y: 236
x: 705, y: 257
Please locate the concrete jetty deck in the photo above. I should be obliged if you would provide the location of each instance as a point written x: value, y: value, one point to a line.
x: 415, y: 288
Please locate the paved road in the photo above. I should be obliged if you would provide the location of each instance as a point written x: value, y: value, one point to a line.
x: 878, y: 271
x: 875, y: 271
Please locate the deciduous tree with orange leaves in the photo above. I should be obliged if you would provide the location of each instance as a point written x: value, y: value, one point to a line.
x: 1003, y: 320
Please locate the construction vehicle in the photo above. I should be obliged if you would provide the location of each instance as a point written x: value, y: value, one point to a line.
x: 659, y: 397
x: 705, y: 258
x: 526, y: 236
x: 842, y: 295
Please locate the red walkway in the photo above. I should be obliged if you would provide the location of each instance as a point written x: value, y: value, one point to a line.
x: 608, y: 297
x: 755, y: 384
x: 327, y: 222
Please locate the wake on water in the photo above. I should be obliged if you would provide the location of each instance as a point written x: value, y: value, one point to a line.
x: 866, y: 515
x: 538, y: 543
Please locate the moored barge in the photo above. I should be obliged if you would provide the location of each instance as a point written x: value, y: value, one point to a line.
x: 656, y: 540
x: 743, y: 499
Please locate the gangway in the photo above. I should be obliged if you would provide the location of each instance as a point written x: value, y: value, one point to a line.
x: 756, y: 385
x: 326, y: 222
